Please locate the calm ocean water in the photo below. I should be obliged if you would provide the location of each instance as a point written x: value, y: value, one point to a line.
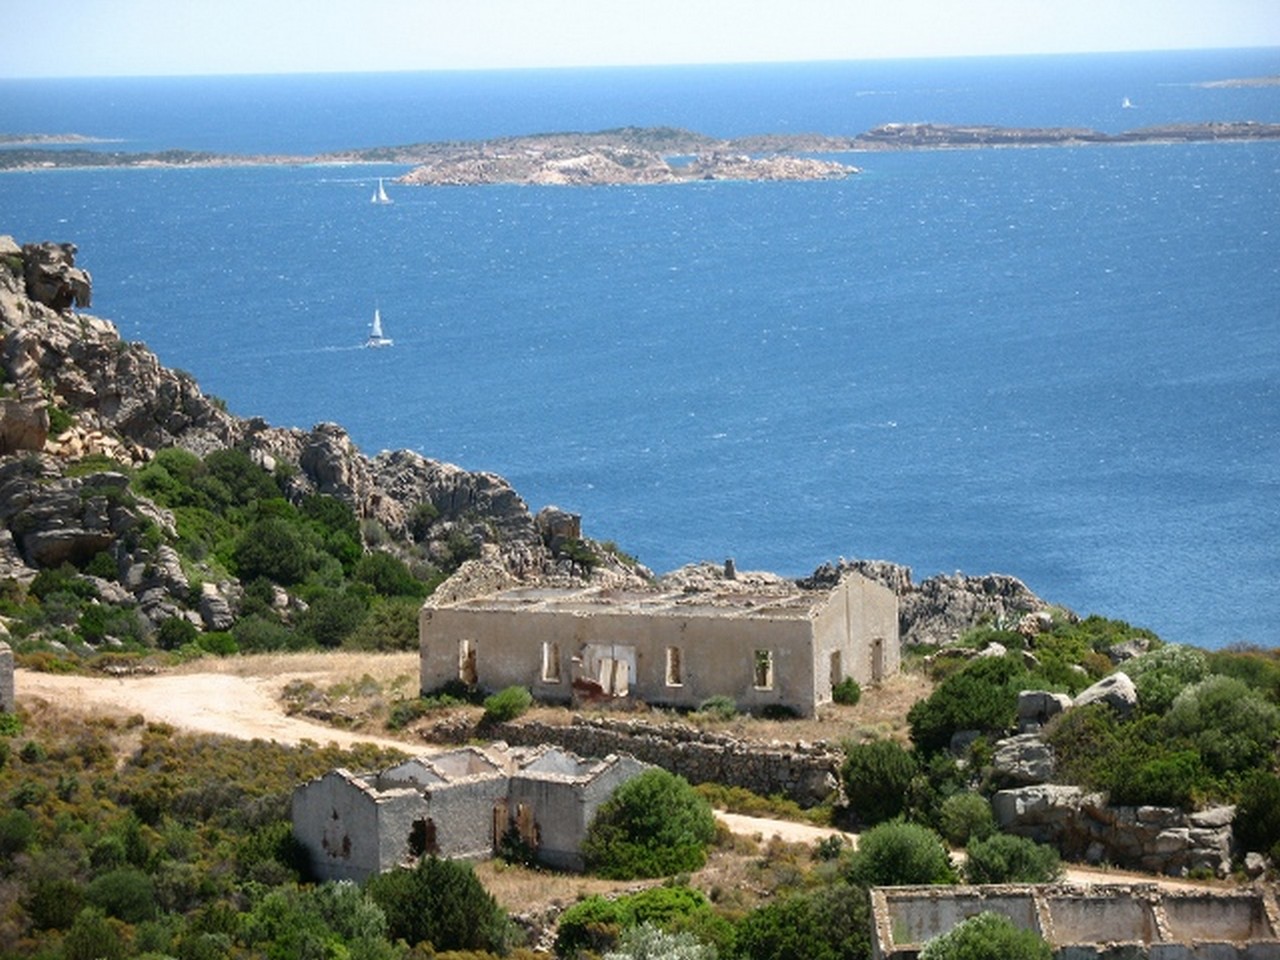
x: 1062, y: 364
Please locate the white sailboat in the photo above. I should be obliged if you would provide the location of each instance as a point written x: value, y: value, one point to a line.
x: 380, y: 195
x: 376, y: 337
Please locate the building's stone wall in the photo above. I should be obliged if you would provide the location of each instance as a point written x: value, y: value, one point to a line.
x: 806, y: 773
x: 666, y: 648
x: 1134, y: 921
x: 337, y: 823
x: 8, y: 701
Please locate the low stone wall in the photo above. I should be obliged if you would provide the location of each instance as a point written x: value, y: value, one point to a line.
x: 1083, y: 827
x: 8, y: 702
x: 807, y: 773
x: 1083, y: 923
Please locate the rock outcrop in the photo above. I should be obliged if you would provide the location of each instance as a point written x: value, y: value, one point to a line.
x: 936, y: 611
x: 1083, y: 827
x: 116, y: 401
x: 1116, y: 690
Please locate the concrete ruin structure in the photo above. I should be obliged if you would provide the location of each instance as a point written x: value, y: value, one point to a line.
x: 762, y: 641
x: 463, y: 803
x: 8, y: 699
x: 1129, y: 921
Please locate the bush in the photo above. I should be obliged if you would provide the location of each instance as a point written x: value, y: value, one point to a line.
x: 719, y: 707
x: 1160, y: 675
x: 847, y: 692
x: 1232, y: 726
x: 1257, y: 821
x: 1004, y: 858
x: 983, y: 696
x: 986, y: 937
x: 964, y: 817
x: 126, y: 893
x: 442, y: 903
x: 17, y: 832
x: 649, y: 942
x: 654, y: 825
x: 593, y: 923
x: 897, y: 853
x: 831, y: 923
x: 506, y: 705
x: 176, y: 632
x: 877, y: 777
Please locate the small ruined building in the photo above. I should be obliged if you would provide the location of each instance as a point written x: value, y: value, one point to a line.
x: 1130, y: 921
x: 464, y: 803
x: 762, y: 641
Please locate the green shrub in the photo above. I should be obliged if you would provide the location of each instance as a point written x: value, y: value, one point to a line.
x: 275, y: 549
x: 647, y: 941
x: 897, y: 853
x: 94, y: 937
x: 1160, y: 675
x: 966, y: 816
x: 983, y: 696
x: 443, y: 903
x: 1258, y: 668
x: 653, y: 825
x: 877, y: 777
x: 126, y: 893
x: 1004, y: 858
x: 987, y: 936
x: 17, y: 832
x: 331, y: 617
x: 832, y: 922
x: 506, y: 705
x: 387, y: 575
x: 1257, y: 820
x: 1168, y: 780
x: 218, y: 642
x: 593, y: 923
x: 847, y: 692
x: 1232, y: 726
x: 176, y: 632
x: 719, y: 707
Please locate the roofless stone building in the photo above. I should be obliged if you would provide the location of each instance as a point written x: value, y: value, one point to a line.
x: 763, y: 641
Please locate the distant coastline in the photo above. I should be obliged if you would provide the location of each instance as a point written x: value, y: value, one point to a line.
x: 634, y: 155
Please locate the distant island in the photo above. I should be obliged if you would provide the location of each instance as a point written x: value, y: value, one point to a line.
x: 635, y: 155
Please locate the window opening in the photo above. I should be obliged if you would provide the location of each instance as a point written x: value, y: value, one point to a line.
x: 675, y: 672
x: 837, y: 670
x: 764, y: 669
x: 877, y: 660
x: 550, y: 662
x: 467, y: 662
x: 422, y: 838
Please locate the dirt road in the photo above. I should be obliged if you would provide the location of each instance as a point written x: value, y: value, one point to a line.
x: 237, y: 706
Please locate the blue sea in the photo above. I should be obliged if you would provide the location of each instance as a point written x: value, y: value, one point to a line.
x: 1060, y: 363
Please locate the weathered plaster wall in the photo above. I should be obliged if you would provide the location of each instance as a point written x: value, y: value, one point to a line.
x: 8, y: 701
x: 717, y: 654
x: 337, y: 822
x: 464, y: 816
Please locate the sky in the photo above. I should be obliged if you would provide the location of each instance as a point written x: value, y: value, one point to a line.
x: 179, y: 37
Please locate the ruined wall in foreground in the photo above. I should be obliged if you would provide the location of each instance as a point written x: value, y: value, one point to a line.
x: 1081, y: 923
x: 807, y: 773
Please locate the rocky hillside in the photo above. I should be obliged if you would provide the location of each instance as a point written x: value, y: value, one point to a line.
x: 91, y: 483
x: 83, y: 410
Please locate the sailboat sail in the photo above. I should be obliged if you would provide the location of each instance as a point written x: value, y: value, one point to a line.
x: 380, y: 195
x: 376, y: 336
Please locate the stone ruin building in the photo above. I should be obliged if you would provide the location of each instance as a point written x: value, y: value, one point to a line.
x: 1129, y: 921
x: 763, y: 642
x: 462, y: 803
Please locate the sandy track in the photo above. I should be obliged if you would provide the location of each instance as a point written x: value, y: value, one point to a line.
x: 244, y: 707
